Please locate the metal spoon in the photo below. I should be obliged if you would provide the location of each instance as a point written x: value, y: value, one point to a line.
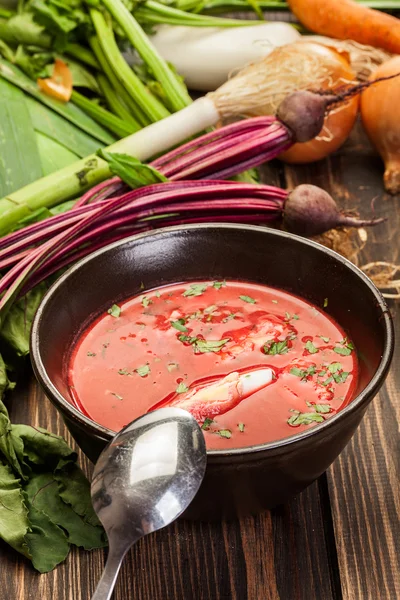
x: 143, y: 480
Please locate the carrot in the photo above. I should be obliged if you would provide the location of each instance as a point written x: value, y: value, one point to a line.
x: 348, y: 20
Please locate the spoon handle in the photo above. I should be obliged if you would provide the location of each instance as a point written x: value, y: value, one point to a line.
x: 106, y: 584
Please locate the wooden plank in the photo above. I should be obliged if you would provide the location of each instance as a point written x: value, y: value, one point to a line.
x: 279, y: 555
x: 364, y: 483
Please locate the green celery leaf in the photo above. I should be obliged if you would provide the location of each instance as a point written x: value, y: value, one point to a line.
x: 34, y: 64
x: 19, y: 155
x: 42, y: 493
x: 17, y: 325
x: 47, y: 543
x: 22, y: 29
x: 68, y: 110
x: 53, y: 156
x: 14, y: 523
x: 81, y: 77
x: 131, y: 170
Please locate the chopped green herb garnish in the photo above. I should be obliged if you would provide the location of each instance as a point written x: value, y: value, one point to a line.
x: 350, y: 345
x: 207, y: 423
x: 124, y: 372
x: 210, y: 309
x: 334, y: 367
x: 274, y: 301
x: 247, y: 299
x: 179, y: 325
x: 225, y: 433
x: 182, y: 388
x: 272, y: 347
x: 289, y: 316
x: 320, y: 408
x: 114, y: 311
x: 203, y: 346
x: 327, y: 381
x: 299, y: 418
x: 303, y: 373
x: 187, y: 339
x: 117, y: 396
x: 241, y: 427
x: 219, y: 284
x: 143, y: 371
x: 141, y: 285
x: 146, y: 301
x: 342, y: 351
x: 91, y: 354
x: 195, y: 289
x: 172, y: 367
x: 229, y: 317
x: 341, y: 377
x: 325, y: 302
x: 321, y: 374
x: 157, y: 293
x: 311, y: 348
x: 324, y: 339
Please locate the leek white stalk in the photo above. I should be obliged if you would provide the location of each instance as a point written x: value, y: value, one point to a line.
x: 206, y: 57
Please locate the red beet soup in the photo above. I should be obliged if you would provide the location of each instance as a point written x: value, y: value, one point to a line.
x: 253, y: 364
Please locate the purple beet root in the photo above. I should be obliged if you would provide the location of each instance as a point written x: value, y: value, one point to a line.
x: 310, y: 211
x: 303, y: 113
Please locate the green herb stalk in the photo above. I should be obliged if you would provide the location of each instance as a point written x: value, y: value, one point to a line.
x: 177, y: 96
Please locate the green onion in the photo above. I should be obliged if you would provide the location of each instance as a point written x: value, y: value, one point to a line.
x: 176, y: 93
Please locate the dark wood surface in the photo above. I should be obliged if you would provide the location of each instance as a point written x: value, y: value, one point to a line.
x: 338, y: 540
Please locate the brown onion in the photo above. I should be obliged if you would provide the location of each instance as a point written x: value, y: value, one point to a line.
x: 339, y: 123
x: 380, y: 117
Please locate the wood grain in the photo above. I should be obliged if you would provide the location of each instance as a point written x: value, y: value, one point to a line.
x: 364, y: 483
x: 335, y: 541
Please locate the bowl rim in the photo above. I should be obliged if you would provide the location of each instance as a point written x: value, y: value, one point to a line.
x: 103, y: 432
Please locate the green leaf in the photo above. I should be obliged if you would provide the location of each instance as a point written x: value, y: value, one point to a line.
x: 219, y: 284
x: 146, y: 302
x: 299, y: 418
x: 74, y: 490
x: 311, y: 348
x: 225, y: 433
x: 19, y: 154
x: 36, y: 447
x: 17, y: 324
x: 66, y: 109
x: 247, y: 299
x: 241, y: 427
x: 325, y: 339
x: 5, y: 383
x: 131, y: 170
x: 42, y: 492
x: 335, y: 367
x: 204, y: 346
x: 182, y: 388
x: 322, y: 408
x: 179, y: 325
x: 65, y: 133
x: 14, y: 523
x: 325, y: 302
x: 343, y: 351
x: 81, y: 77
x: 187, y: 339
x: 114, y: 311
x: 195, y: 289
x: 207, y: 423
x: 53, y: 156
x: 272, y: 347
x: 143, y: 371
x: 47, y: 543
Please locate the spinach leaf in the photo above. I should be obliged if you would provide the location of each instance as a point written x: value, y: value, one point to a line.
x: 14, y: 523
x: 16, y: 329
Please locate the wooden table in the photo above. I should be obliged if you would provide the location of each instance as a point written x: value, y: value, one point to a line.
x: 339, y: 539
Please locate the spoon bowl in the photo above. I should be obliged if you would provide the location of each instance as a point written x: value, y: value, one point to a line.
x: 144, y: 479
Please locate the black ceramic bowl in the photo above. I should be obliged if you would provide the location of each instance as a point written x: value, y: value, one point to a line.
x: 244, y: 480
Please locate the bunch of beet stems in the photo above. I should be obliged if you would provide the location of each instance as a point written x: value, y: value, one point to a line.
x: 109, y: 213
